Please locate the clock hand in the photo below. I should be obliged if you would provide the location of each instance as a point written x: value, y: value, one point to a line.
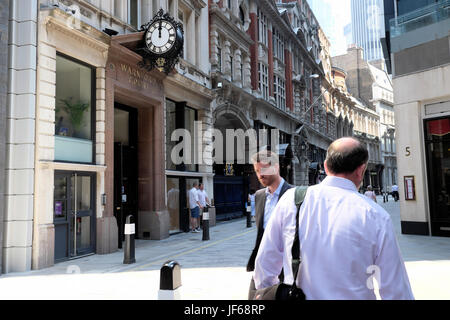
x: 160, y: 28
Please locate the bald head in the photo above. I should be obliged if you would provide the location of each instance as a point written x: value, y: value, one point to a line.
x: 345, y: 155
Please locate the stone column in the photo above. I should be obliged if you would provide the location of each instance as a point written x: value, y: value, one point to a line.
x: 146, y: 11
x: 237, y: 67
x: 4, y: 21
x: 214, y: 49
x: 247, y: 74
x: 20, y: 138
x: 227, y: 61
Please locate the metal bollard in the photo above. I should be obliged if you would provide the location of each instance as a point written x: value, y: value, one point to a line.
x: 205, y: 220
x: 170, y: 281
x: 249, y: 215
x: 128, y: 252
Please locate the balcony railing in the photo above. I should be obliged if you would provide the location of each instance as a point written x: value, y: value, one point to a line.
x: 420, y: 18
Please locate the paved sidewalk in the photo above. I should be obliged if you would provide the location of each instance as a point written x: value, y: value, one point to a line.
x: 210, y: 270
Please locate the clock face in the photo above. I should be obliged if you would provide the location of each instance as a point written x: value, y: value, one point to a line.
x: 160, y: 37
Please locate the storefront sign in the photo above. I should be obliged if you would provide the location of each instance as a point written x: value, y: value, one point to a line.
x: 137, y: 78
x: 410, y: 193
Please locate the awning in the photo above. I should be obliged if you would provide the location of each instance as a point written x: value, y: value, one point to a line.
x: 439, y: 127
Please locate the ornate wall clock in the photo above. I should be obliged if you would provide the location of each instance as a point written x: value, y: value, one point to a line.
x: 163, y: 43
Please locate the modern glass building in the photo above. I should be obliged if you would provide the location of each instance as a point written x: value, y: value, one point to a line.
x: 417, y: 46
x: 368, y: 27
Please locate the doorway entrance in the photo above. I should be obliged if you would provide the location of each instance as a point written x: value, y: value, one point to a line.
x: 125, y: 167
x: 74, y: 214
x: 178, y: 202
x: 438, y: 166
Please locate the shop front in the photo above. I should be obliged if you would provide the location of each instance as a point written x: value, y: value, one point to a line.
x: 134, y: 145
x: 70, y: 170
x: 437, y: 146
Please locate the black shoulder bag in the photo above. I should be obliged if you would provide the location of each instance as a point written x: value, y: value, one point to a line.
x: 282, y: 291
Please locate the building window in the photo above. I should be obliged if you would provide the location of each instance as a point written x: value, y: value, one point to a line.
x: 278, y: 45
x: 262, y: 28
x: 241, y: 15
x: 279, y: 90
x: 180, y: 116
x: 232, y: 67
x: 219, y: 58
x: 74, y: 110
x: 263, y: 80
x: 241, y: 71
x: 134, y: 13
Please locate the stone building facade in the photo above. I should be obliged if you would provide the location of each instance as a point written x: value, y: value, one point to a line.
x: 360, y: 80
x: 92, y: 136
x: 4, y: 26
x: 114, y: 160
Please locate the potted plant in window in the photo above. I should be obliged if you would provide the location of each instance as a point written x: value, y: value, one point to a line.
x: 76, y: 112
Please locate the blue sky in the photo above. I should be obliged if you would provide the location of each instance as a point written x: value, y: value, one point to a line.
x: 341, y: 16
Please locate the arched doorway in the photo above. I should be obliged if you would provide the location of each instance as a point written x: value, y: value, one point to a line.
x: 232, y: 169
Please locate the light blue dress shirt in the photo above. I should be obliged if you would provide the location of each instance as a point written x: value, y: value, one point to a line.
x: 271, y: 202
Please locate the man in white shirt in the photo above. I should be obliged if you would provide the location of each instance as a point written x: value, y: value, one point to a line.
x: 395, y: 194
x: 202, y: 195
x: 267, y: 169
x: 195, y: 206
x: 345, y: 240
x: 203, y: 198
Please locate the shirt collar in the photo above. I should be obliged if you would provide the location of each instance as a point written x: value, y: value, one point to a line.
x: 277, y: 192
x: 339, y: 182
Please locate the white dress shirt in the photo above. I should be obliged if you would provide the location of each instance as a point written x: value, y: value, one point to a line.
x: 193, y: 198
x: 343, y: 239
x: 202, y: 197
x: 271, y: 202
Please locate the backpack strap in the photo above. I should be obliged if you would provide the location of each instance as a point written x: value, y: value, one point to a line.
x: 300, y: 193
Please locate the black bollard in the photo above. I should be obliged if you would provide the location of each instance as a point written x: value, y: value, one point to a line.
x: 170, y: 281
x: 205, y: 220
x: 249, y: 215
x: 128, y: 252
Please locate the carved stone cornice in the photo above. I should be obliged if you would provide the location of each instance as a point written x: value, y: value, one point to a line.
x: 58, y: 20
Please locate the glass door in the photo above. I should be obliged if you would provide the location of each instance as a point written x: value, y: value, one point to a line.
x: 438, y: 167
x: 173, y: 203
x: 74, y: 214
x: 82, y: 215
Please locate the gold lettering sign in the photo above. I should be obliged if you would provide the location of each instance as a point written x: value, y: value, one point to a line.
x: 138, y: 78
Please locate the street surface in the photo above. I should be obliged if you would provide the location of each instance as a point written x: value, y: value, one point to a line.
x: 210, y: 270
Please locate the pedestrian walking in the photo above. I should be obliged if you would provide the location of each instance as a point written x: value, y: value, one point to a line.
x: 267, y: 169
x: 395, y: 194
x: 370, y: 194
x: 194, y: 206
x: 345, y: 240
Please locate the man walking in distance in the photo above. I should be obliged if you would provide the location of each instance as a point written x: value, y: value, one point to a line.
x: 195, y: 206
x: 266, y: 165
x: 395, y: 192
x: 345, y: 240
